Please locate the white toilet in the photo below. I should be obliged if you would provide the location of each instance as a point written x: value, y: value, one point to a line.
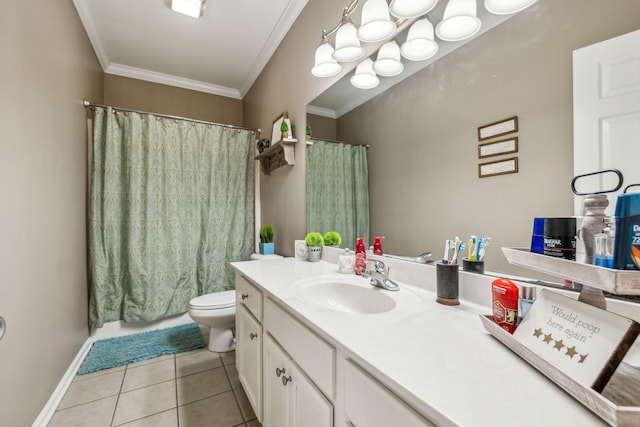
x: 217, y: 311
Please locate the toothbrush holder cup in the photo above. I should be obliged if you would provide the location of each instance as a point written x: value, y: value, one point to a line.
x: 447, y: 283
x: 473, y: 266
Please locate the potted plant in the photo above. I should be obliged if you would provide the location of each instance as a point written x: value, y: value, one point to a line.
x: 314, y: 243
x: 266, y: 239
x: 308, y: 132
x: 284, y: 129
x: 332, y: 238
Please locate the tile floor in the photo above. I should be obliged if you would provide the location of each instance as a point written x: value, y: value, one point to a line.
x: 191, y: 389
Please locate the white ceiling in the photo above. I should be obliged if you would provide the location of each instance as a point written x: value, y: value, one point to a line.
x: 221, y: 53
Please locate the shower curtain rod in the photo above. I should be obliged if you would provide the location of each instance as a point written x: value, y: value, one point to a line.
x: 367, y: 146
x: 166, y: 116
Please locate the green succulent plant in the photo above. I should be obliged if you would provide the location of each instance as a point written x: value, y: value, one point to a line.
x: 314, y: 239
x: 332, y: 238
x: 266, y: 234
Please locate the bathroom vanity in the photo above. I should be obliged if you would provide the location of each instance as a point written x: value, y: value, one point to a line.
x: 318, y: 348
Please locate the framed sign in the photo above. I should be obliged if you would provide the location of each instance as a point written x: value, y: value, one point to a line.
x: 584, y: 342
x: 504, y: 146
x: 276, y: 133
x: 499, y: 167
x: 503, y: 127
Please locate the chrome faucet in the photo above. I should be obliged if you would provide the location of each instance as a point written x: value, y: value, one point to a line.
x: 379, y: 276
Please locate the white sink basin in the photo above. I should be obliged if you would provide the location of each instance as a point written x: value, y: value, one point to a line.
x: 348, y: 295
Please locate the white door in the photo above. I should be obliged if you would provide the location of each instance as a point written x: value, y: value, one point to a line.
x: 249, y: 357
x: 276, y: 402
x: 606, y: 109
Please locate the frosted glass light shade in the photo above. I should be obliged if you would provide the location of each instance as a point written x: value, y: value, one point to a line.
x: 388, y: 61
x: 325, y: 65
x: 192, y: 8
x: 347, y: 44
x: 375, y: 24
x: 506, y: 7
x: 365, y: 77
x: 420, y: 43
x: 411, y: 8
x: 459, y: 22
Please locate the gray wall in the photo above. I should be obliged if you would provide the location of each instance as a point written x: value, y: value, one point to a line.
x: 48, y: 68
x: 423, y: 169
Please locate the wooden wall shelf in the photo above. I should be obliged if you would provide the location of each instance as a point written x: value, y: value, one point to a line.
x: 279, y: 154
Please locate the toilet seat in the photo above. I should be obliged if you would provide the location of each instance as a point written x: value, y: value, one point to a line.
x: 214, y: 301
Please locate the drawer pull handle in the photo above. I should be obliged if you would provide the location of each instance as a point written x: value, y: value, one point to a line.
x: 244, y: 296
x: 286, y: 380
x: 279, y: 372
x: 253, y: 336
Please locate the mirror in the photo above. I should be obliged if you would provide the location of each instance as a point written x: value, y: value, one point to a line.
x: 424, y: 183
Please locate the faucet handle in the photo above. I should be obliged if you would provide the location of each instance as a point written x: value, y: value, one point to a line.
x: 379, y: 267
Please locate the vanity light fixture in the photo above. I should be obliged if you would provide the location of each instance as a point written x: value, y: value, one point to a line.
x: 411, y: 8
x: 420, y: 43
x: 506, y: 7
x: 459, y: 22
x: 325, y: 65
x: 192, y: 8
x: 388, y: 62
x: 375, y: 24
x: 347, y: 43
x: 365, y: 77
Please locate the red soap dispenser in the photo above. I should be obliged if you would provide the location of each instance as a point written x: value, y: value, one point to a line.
x: 361, y: 256
x: 377, y: 245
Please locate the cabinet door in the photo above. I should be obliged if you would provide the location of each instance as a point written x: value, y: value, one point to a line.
x: 276, y: 399
x: 249, y: 357
x: 309, y: 407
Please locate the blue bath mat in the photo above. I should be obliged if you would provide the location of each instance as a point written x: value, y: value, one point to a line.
x: 112, y: 352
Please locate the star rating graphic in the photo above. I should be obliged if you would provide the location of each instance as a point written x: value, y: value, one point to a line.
x: 559, y: 344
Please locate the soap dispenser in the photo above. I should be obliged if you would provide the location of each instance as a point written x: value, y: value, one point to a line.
x: 361, y: 256
x: 345, y: 262
x: 377, y: 245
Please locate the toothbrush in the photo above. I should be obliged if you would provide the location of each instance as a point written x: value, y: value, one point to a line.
x: 472, y: 247
x: 447, y: 246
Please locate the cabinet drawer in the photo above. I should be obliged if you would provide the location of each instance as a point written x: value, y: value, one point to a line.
x: 314, y: 355
x: 249, y: 295
x: 369, y: 404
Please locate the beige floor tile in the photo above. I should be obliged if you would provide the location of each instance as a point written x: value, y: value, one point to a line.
x: 228, y: 358
x: 232, y: 373
x: 203, y: 384
x: 245, y: 406
x: 95, y: 414
x: 87, y: 390
x: 197, y: 362
x: 217, y: 411
x: 163, y: 419
x: 143, y: 402
x: 254, y: 423
x: 148, y: 374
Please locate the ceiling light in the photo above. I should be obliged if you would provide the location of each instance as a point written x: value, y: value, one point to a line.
x: 347, y: 43
x: 193, y: 8
x: 411, y: 8
x: 325, y: 65
x: 420, y: 43
x: 460, y: 21
x: 375, y: 24
x: 388, y: 61
x: 365, y: 77
x: 506, y: 7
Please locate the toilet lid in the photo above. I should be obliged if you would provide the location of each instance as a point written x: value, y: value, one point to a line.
x: 222, y: 299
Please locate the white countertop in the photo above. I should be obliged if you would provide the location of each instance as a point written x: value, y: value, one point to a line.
x: 438, y: 358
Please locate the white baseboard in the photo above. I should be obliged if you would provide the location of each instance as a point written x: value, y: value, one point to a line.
x: 108, y: 330
x: 52, y: 404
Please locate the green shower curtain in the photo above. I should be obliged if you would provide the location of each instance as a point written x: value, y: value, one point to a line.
x: 337, y: 183
x: 171, y: 203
